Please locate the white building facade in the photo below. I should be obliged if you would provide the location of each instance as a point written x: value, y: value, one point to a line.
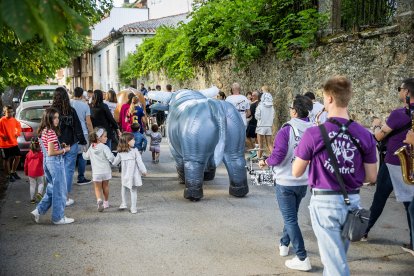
x: 164, y: 8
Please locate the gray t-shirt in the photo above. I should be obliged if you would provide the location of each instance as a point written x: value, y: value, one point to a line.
x: 82, y: 110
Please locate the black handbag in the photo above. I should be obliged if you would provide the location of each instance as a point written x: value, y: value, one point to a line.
x: 356, y: 222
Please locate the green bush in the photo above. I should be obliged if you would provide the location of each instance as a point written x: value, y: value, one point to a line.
x: 241, y: 29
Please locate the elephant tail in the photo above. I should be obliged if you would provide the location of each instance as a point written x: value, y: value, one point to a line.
x: 219, y: 112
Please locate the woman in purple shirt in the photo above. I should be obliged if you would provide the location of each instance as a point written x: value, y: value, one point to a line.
x: 291, y: 190
x: 357, y: 164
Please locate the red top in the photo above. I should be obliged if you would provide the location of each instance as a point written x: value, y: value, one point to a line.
x: 49, y: 135
x: 9, y: 131
x: 33, y: 165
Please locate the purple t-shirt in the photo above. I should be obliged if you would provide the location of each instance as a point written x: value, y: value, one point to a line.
x: 397, y: 120
x: 351, y: 167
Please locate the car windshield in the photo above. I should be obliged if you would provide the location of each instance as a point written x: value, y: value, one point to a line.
x: 32, y: 114
x: 36, y: 95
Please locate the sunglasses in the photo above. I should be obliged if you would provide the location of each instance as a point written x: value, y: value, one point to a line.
x: 399, y: 88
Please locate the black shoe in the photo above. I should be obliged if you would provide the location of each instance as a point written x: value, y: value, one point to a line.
x: 84, y: 181
x: 16, y: 176
x: 11, y: 178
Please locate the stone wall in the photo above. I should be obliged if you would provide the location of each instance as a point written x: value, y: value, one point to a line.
x: 376, y: 62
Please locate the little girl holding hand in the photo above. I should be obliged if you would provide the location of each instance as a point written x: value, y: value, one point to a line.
x: 100, y: 156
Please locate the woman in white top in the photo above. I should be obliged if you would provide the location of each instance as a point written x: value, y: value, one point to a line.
x: 111, y: 100
x: 100, y: 156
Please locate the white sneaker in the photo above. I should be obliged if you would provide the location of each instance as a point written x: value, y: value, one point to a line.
x: 123, y: 207
x: 64, y: 220
x: 134, y: 211
x: 35, y: 215
x: 297, y: 264
x: 69, y: 202
x: 100, y: 205
x: 283, y: 250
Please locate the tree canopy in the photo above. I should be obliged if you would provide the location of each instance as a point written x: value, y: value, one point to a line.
x: 37, y: 37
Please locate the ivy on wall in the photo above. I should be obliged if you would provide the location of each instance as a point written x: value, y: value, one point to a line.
x: 240, y: 29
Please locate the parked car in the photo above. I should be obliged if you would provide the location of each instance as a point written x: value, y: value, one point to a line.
x: 29, y: 114
x: 36, y: 93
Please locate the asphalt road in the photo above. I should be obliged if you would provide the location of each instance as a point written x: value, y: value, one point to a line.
x: 219, y: 235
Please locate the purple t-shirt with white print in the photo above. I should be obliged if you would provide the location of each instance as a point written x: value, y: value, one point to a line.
x: 397, y: 120
x: 350, y: 161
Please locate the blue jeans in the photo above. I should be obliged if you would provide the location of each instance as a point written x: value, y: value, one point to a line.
x: 55, y: 195
x: 81, y: 167
x: 109, y: 143
x: 289, y: 198
x: 70, y: 163
x: 328, y: 214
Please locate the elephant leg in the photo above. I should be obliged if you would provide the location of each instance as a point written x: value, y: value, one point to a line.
x: 193, y: 171
x: 179, y: 165
x: 210, y: 171
x: 237, y: 173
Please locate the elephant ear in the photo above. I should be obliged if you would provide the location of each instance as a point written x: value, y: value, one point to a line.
x: 219, y: 115
x: 210, y: 92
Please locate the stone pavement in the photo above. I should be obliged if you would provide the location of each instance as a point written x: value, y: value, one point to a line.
x: 220, y: 235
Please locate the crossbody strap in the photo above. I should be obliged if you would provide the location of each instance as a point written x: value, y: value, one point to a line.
x: 334, y: 163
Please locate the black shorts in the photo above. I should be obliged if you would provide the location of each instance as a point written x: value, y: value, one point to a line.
x: 7, y: 153
x: 251, y: 131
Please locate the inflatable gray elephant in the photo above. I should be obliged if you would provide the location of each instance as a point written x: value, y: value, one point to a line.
x: 203, y: 132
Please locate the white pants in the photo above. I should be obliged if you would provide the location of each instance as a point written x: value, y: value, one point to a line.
x: 36, y: 181
x: 134, y: 195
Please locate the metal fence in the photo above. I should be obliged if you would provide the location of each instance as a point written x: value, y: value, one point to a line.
x: 357, y: 15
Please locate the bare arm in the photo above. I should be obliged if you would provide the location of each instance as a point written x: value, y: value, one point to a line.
x: 52, y: 152
x: 299, y: 167
x: 89, y: 123
x: 370, y: 172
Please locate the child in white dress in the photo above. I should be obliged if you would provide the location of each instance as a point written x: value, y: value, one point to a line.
x: 100, y: 156
x: 132, y: 169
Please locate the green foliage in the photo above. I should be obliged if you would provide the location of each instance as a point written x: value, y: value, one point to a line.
x: 168, y: 50
x: 50, y: 19
x: 37, y: 37
x: 241, y: 29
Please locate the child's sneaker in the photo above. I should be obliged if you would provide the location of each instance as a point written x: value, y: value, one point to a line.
x: 33, y: 201
x: 123, y: 207
x: 39, y: 197
x: 100, y: 205
x: 154, y: 161
x: 134, y: 211
x: 11, y: 178
x: 106, y: 204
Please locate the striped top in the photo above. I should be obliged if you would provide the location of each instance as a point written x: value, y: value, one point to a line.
x: 49, y: 135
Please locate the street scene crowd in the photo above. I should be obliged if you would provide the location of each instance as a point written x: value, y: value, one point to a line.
x: 319, y: 149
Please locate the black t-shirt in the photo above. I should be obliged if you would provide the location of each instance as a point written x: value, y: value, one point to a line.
x: 253, y: 121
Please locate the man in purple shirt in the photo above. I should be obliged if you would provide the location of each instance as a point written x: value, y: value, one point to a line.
x: 289, y: 189
x: 356, y: 162
x: 395, y: 129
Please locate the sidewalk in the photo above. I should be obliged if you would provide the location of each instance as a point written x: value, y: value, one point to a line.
x: 219, y: 235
